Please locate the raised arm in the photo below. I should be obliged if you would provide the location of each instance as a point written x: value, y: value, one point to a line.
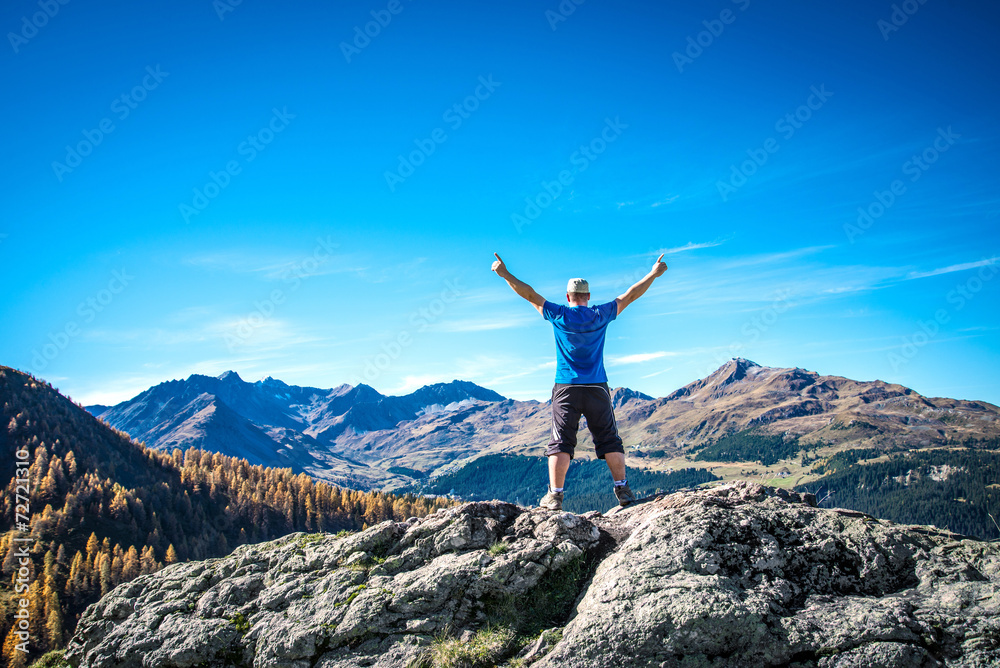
x: 639, y: 289
x: 518, y: 286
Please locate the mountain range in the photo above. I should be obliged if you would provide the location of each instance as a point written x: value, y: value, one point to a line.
x: 271, y: 423
x: 357, y: 437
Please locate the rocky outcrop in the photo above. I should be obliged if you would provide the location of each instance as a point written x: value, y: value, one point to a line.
x: 740, y: 575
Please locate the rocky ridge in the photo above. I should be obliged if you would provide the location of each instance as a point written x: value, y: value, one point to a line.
x: 739, y: 575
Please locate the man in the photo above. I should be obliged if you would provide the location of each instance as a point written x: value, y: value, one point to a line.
x: 581, y: 386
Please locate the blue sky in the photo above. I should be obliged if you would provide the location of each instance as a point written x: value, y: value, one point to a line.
x: 192, y: 187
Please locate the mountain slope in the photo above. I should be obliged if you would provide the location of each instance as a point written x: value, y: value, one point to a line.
x: 741, y: 395
x: 101, y: 509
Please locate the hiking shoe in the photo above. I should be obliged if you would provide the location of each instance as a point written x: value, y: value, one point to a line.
x: 625, y: 495
x: 552, y: 501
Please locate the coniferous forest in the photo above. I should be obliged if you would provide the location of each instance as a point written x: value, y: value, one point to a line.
x: 102, y: 509
x: 749, y: 446
x: 954, y: 489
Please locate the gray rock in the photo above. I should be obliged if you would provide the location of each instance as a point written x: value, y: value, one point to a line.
x: 737, y: 577
x: 740, y: 575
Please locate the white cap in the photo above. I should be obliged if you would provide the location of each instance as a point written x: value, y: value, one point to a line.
x: 577, y: 285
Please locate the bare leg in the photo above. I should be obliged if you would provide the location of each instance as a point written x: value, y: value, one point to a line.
x: 558, y: 465
x: 615, y: 462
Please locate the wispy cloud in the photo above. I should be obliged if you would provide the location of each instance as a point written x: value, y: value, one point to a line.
x: 229, y: 261
x: 648, y: 202
x: 951, y: 269
x: 129, y: 385
x: 192, y: 313
x: 775, y: 258
x: 287, y: 266
x: 290, y: 270
x: 152, y: 337
x: 673, y: 250
x: 530, y: 370
x: 665, y: 200
x: 497, y: 293
x: 690, y: 246
x: 638, y: 358
x: 838, y: 349
x: 462, y: 326
x: 270, y: 334
x: 977, y: 329
x: 414, y: 268
x: 786, y: 279
x: 839, y: 290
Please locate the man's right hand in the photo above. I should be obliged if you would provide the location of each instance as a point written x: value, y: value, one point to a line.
x: 639, y: 289
x: 498, y: 266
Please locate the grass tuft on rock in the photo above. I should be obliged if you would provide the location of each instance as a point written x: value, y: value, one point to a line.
x: 498, y: 548
x: 53, y: 659
x: 485, y: 649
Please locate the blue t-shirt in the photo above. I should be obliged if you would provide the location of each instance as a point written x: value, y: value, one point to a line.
x: 580, y: 340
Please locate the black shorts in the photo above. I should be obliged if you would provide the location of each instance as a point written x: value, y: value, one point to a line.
x: 593, y: 401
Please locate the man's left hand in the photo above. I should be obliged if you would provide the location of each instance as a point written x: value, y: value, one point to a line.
x: 659, y: 267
